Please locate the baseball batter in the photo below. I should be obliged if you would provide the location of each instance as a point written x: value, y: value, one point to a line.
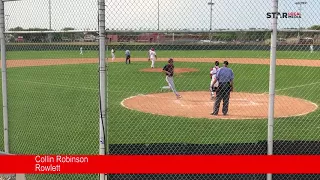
x: 213, y: 73
x: 112, y: 54
x: 169, y: 71
x: 153, y: 57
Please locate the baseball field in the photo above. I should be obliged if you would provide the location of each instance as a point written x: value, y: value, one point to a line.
x: 53, y: 100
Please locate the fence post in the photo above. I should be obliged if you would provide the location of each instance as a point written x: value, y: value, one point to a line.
x: 4, y: 79
x: 102, y: 88
x: 272, y: 81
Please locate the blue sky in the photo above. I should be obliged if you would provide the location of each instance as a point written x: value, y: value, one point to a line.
x: 174, y: 14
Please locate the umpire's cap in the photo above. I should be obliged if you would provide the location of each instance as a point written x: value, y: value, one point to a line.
x: 170, y: 60
x: 226, y: 62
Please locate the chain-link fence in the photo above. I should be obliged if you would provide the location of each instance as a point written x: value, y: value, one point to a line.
x: 53, y: 79
x: 52, y: 53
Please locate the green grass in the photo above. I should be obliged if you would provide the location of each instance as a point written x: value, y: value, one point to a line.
x: 187, y: 54
x: 54, y: 109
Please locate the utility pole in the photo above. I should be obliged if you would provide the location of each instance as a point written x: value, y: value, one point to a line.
x: 210, y: 28
x: 49, y: 35
x: 6, y: 22
x: 300, y: 3
x: 49, y: 14
x: 158, y: 15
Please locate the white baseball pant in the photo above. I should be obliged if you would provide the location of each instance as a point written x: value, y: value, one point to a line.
x: 214, y: 85
x: 152, y: 62
x: 113, y: 56
x: 170, y: 82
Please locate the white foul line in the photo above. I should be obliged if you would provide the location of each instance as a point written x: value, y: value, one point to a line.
x: 58, y: 85
x: 297, y: 86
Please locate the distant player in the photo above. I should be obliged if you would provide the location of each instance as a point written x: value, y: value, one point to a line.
x: 311, y: 48
x: 112, y: 54
x: 169, y: 71
x: 153, y: 57
x: 128, y: 57
x: 149, y: 54
x: 81, y: 52
x: 213, y: 74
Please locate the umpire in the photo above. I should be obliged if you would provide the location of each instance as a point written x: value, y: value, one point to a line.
x: 225, y: 78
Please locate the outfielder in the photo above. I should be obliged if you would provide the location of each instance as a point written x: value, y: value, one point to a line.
x: 169, y: 71
x: 213, y: 73
x: 112, y: 54
x: 311, y: 48
x: 153, y: 57
x: 81, y: 52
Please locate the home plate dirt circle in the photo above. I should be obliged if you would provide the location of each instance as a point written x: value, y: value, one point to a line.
x: 176, y: 70
x: 197, y: 104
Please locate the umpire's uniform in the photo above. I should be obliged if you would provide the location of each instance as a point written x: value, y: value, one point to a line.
x: 225, y: 78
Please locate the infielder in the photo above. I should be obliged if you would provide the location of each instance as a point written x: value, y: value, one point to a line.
x: 127, y: 53
x: 149, y: 54
x: 213, y: 73
x: 169, y: 71
x: 153, y: 57
x: 112, y: 54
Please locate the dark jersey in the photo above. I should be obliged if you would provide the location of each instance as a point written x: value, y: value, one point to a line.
x: 169, y: 68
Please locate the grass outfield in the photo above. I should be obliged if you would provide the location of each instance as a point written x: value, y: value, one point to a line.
x: 54, y: 109
x: 187, y: 54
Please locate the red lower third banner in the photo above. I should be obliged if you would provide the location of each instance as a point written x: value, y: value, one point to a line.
x: 158, y: 164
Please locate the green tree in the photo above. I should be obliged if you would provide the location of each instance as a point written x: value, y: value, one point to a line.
x: 315, y: 27
x: 18, y: 28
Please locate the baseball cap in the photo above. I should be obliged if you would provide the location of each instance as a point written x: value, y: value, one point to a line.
x: 170, y: 60
x: 225, y: 62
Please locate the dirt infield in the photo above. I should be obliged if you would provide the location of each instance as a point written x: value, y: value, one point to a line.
x: 197, y: 104
x: 176, y: 70
x: 48, y: 62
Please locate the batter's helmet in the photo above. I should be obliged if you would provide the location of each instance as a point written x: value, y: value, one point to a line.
x: 216, y: 63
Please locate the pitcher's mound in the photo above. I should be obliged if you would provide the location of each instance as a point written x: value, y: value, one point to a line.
x: 176, y: 70
x: 199, y: 105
